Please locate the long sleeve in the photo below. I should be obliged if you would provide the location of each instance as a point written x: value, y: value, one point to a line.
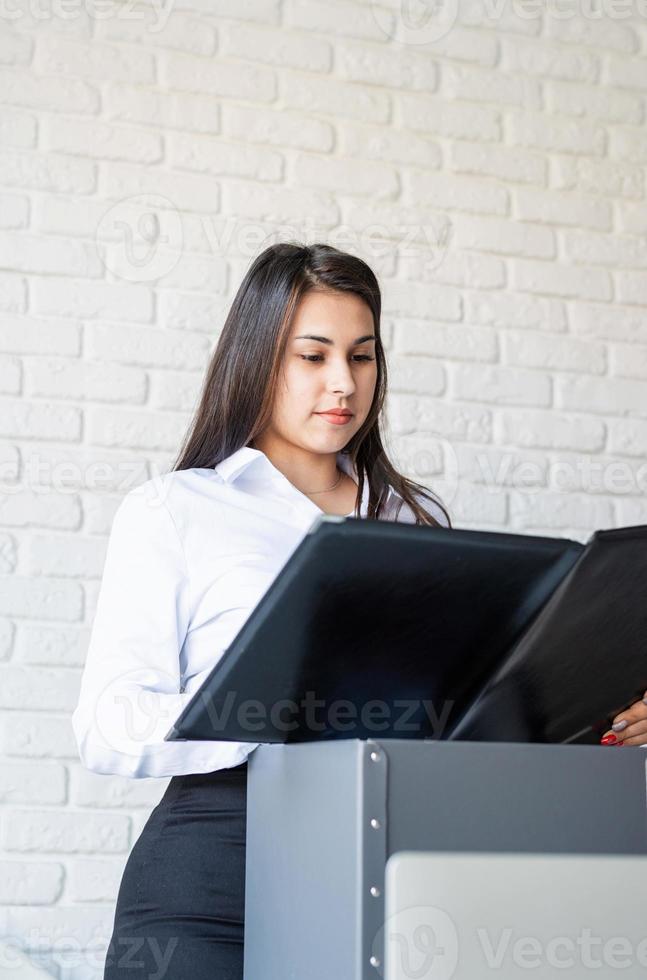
x: 131, y: 685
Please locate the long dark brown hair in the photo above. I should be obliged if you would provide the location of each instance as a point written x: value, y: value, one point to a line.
x: 238, y: 392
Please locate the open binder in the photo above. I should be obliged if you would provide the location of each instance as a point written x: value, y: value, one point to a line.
x: 378, y: 629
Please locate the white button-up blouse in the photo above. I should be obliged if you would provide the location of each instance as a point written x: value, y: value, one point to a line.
x: 189, y: 556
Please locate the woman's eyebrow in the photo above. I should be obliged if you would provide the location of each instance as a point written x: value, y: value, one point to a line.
x: 327, y: 340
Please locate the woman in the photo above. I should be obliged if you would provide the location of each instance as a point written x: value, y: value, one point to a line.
x: 288, y: 427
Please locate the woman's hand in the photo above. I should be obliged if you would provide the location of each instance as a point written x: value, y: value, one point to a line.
x: 629, y: 727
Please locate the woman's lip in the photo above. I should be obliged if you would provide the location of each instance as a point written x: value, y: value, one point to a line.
x: 335, y: 419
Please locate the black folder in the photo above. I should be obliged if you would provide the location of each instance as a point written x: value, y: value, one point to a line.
x: 381, y: 629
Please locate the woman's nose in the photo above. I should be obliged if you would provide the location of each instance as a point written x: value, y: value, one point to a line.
x: 341, y: 379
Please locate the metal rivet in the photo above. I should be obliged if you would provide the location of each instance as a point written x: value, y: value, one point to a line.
x: 375, y: 891
x: 374, y: 961
x: 375, y: 823
x: 375, y: 756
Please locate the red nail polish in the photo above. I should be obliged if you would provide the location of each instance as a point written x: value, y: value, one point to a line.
x: 609, y: 740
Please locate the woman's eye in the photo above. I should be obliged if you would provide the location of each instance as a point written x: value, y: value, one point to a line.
x: 319, y: 357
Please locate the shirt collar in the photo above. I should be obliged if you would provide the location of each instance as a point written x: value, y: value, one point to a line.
x: 246, y: 457
x: 232, y: 466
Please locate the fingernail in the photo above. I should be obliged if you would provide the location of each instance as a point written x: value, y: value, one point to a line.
x: 645, y: 699
x: 609, y: 740
x: 619, y: 725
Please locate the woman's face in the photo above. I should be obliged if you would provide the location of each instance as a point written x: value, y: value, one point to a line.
x: 329, y: 363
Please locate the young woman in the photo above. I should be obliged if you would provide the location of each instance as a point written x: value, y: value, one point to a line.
x: 288, y: 426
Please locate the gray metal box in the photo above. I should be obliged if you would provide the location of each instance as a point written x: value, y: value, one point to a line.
x: 324, y: 817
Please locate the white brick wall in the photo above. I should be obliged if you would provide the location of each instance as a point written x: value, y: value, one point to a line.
x: 493, y: 174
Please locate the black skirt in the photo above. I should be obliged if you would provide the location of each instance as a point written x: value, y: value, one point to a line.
x: 181, y: 903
